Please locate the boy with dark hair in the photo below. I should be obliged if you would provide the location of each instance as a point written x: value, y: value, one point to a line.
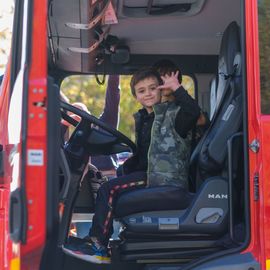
x: 167, y: 67
x: 167, y: 147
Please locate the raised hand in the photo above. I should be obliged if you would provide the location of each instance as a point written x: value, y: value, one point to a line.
x: 170, y: 81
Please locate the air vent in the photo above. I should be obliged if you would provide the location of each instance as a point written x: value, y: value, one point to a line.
x: 145, y: 8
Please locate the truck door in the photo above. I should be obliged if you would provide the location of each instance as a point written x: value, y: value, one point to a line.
x: 258, y: 86
x: 29, y: 226
x: 264, y: 172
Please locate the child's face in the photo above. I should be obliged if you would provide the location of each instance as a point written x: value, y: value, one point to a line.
x: 147, y: 93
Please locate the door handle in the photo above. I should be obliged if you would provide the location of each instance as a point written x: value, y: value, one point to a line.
x: 16, y: 215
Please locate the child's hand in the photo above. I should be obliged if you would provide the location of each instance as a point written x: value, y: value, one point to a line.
x: 170, y: 81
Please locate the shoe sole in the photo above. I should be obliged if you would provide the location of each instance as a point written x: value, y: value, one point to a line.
x: 88, y: 258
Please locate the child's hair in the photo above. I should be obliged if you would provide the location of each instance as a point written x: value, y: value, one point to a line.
x: 144, y: 73
x: 166, y: 66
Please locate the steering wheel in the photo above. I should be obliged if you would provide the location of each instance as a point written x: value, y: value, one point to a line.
x: 107, y: 135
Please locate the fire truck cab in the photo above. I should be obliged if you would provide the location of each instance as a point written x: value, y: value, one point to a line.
x: 223, y: 46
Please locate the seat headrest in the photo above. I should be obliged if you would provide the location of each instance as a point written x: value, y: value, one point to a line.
x: 230, y: 45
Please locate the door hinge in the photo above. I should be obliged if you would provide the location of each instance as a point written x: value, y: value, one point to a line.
x: 256, y: 186
x: 255, y: 146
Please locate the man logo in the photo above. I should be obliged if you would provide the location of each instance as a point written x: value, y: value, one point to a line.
x: 218, y: 196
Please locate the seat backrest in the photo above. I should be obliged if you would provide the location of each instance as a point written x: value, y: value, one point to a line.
x: 210, y: 154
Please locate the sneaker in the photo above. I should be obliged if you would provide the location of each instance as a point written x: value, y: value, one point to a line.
x: 91, y: 252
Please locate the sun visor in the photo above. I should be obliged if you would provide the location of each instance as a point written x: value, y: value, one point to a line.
x: 144, y: 8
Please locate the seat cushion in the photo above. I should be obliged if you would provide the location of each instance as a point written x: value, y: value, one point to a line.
x: 152, y: 199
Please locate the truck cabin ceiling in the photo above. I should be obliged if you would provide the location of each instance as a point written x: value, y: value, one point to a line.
x: 187, y: 36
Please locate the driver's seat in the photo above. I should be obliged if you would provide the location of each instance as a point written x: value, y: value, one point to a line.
x: 168, y: 222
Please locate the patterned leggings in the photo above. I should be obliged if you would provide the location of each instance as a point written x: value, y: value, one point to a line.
x: 107, y: 196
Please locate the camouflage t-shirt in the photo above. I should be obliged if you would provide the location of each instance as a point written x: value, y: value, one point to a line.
x: 168, y: 157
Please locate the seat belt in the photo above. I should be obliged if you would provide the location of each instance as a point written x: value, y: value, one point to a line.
x: 229, y: 78
x: 197, y: 181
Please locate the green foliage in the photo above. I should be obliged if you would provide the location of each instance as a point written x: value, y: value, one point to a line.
x: 128, y: 106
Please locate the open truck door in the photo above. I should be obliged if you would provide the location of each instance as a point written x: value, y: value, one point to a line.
x: 258, y: 109
x: 24, y: 143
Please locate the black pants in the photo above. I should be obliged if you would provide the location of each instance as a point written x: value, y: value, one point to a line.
x: 107, y: 196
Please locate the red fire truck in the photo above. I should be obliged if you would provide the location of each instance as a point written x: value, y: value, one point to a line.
x: 223, y: 46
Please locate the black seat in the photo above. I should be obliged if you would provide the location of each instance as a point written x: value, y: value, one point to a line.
x: 205, y: 214
x: 154, y: 199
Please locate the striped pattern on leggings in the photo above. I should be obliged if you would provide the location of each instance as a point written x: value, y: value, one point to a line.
x: 112, y: 194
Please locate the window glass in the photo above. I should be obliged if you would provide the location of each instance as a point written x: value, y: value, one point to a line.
x: 86, y: 90
x: 264, y: 40
x: 189, y: 85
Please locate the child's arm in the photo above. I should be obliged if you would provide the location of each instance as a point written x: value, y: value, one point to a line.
x: 110, y: 114
x: 189, y: 113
